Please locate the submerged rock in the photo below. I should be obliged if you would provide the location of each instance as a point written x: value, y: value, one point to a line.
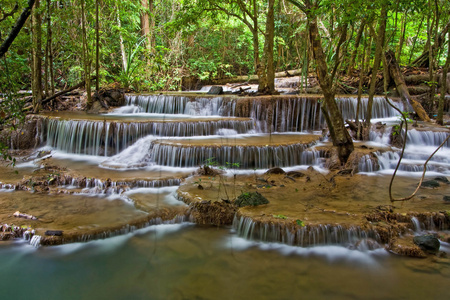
x: 251, y: 199
x: 446, y: 198
x: 442, y: 179
x: 430, y: 184
x: 428, y: 243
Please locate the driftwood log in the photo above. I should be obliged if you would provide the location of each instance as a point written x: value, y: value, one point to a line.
x: 402, y: 89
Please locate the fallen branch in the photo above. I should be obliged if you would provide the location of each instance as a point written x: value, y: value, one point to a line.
x: 81, y: 84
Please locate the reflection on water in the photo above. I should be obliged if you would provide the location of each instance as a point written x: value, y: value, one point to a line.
x: 186, y: 261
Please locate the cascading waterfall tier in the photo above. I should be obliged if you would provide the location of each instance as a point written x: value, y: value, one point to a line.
x: 303, y: 236
x: 109, y: 138
x: 257, y: 152
x: 172, y: 104
x: 419, y: 146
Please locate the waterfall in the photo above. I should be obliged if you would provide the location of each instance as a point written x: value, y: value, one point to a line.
x: 427, y: 138
x: 109, y: 138
x: 248, y: 157
x: 36, y: 241
x: 416, y: 224
x: 170, y: 104
x: 304, y: 236
x: 381, y: 109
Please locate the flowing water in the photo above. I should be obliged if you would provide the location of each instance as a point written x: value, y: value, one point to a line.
x: 192, y: 262
x: 131, y: 162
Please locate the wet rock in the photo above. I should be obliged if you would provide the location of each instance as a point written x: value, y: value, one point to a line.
x: 216, y: 213
x: 295, y: 174
x: 215, y: 90
x: 442, y: 179
x: 250, y: 199
x: 446, y: 198
x: 431, y: 184
x: 275, y: 170
x: 406, y: 248
x: 428, y: 243
x: 54, y: 232
x: 5, y: 236
x: 208, y: 171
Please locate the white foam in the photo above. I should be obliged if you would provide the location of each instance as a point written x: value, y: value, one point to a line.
x: 330, y: 253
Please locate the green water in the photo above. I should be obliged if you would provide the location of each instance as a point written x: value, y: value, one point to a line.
x: 194, y: 262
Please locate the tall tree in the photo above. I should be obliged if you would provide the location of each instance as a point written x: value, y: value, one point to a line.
x: 86, y: 55
x: 36, y: 79
x: 382, y: 20
x: 326, y: 75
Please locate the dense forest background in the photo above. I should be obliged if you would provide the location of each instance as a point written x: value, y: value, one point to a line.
x: 153, y: 45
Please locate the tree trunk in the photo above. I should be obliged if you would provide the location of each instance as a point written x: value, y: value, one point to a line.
x: 147, y: 9
x: 17, y: 27
x: 36, y: 59
x: 444, y: 90
x: 355, y: 51
x: 97, y: 47
x: 423, y: 60
x: 402, y: 36
x: 267, y: 70
x: 339, y: 134
x: 402, y: 89
x: 376, y: 64
x: 122, y: 46
x: 86, y: 56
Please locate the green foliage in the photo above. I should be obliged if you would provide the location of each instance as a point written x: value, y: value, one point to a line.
x: 299, y: 222
x: 280, y: 217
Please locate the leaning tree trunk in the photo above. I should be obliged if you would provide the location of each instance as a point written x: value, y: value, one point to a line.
x: 339, y: 134
x: 402, y: 89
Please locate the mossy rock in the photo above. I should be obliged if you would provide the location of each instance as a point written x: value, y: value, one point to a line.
x: 251, y: 199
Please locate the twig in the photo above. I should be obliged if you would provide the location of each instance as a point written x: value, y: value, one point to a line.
x: 401, y: 156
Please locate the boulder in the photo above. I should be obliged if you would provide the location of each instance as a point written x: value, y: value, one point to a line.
x: 428, y: 243
x: 250, y: 199
x: 446, y: 198
x: 275, y: 170
x: 215, y: 90
x: 295, y: 174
